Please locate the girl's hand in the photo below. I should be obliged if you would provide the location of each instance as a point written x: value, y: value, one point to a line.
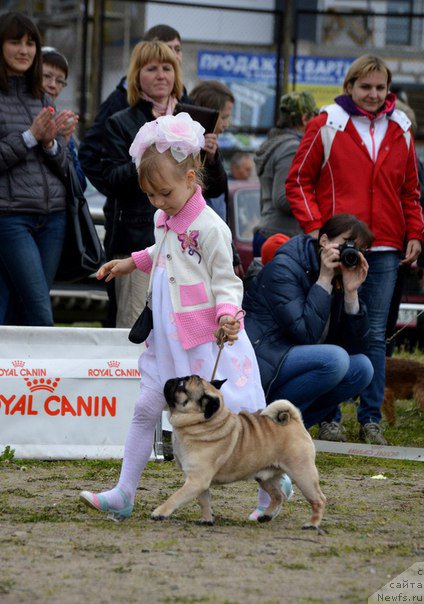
x: 44, y: 127
x: 354, y: 277
x: 230, y: 326
x: 413, y: 250
x: 211, y: 146
x: 66, y: 122
x: 116, y: 268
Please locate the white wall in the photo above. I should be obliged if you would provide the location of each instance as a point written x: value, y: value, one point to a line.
x: 216, y: 26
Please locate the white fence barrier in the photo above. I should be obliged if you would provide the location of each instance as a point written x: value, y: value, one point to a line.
x: 68, y: 393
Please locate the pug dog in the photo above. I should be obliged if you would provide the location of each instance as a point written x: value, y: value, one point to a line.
x: 213, y: 445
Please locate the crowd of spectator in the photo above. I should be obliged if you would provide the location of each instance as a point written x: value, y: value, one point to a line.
x: 345, y: 175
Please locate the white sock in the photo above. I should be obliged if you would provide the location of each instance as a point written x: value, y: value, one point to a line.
x: 138, y: 446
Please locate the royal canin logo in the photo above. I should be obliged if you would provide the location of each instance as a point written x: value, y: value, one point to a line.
x: 113, y: 369
x: 19, y: 369
x: 42, y: 384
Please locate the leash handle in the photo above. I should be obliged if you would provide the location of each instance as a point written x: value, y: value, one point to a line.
x: 221, y: 338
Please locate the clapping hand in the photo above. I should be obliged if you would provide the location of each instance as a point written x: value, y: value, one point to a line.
x: 66, y: 122
x: 44, y: 127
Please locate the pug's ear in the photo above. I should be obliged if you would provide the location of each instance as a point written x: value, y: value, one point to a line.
x: 210, y: 406
x: 218, y: 383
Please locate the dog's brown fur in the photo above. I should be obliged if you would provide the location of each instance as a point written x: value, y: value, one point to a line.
x: 213, y: 445
x: 404, y: 380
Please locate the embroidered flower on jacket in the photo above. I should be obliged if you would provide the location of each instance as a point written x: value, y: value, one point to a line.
x: 190, y: 242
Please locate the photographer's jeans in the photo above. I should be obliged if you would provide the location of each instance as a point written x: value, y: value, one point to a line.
x: 316, y: 378
x: 30, y: 249
x: 376, y: 293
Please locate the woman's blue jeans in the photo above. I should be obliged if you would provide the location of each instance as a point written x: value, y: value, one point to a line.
x: 30, y: 249
x: 376, y: 293
x: 316, y: 378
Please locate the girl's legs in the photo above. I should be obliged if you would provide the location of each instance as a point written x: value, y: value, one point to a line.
x: 138, y: 447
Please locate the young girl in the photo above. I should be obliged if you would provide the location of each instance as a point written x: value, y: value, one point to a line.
x: 194, y: 292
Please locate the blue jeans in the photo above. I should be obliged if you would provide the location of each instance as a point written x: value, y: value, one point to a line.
x: 376, y: 293
x: 258, y: 241
x: 30, y: 249
x: 218, y: 205
x: 317, y: 377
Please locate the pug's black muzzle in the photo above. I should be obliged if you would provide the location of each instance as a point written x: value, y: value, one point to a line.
x: 173, y: 386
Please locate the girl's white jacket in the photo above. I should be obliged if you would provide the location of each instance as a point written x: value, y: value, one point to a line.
x: 199, y: 266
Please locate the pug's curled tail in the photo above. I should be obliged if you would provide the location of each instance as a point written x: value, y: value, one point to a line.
x: 282, y: 411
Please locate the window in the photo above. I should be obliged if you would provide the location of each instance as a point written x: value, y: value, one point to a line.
x: 398, y: 29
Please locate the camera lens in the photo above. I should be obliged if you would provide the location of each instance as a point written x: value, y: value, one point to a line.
x: 349, y: 257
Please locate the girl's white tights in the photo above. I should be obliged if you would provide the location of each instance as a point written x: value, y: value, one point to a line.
x: 138, y: 447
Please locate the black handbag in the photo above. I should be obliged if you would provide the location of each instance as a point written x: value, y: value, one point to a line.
x: 139, y: 332
x: 82, y: 252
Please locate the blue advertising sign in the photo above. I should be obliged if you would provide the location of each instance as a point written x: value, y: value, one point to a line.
x: 261, y: 68
x: 320, y: 70
x: 249, y: 67
x: 252, y: 79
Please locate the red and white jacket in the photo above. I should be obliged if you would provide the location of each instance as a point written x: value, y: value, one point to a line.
x: 374, y: 177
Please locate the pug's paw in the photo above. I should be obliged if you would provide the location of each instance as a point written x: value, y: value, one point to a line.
x: 203, y: 522
x: 312, y: 527
x: 159, y: 514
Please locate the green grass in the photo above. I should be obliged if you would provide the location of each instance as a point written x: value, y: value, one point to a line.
x: 408, y: 431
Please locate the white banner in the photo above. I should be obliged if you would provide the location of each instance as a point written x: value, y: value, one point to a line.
x: 67, y: 393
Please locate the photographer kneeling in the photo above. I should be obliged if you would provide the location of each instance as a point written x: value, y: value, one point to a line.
x: 307, y: 325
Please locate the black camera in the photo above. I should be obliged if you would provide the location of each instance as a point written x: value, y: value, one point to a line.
x: 349, y: 254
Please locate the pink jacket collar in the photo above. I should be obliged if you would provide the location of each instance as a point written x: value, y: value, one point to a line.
x: 181, y: 221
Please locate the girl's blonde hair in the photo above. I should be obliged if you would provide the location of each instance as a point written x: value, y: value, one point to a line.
x: 363, y: 66
x: 152, y: 172
x: 144, y: 53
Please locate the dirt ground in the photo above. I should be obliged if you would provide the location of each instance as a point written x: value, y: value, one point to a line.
x: 53, y: 549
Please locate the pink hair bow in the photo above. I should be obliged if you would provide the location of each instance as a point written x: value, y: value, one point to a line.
x: 180, y: 133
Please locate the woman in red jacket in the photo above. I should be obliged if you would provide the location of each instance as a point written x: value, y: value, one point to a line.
x: 358, y: 156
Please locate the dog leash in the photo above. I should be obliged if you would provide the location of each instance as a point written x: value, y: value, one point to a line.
x: 221, y: 338
x: 388, y: 340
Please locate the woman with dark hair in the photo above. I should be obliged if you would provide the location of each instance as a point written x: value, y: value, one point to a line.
x: 154, y: 86
x: 33, y: 167
x: 306, y: 323
x: 359, y: 156
x: 213, y: 94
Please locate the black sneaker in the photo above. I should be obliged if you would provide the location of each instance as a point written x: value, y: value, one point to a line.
x: 372, y: 434
x: 331, y: 431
